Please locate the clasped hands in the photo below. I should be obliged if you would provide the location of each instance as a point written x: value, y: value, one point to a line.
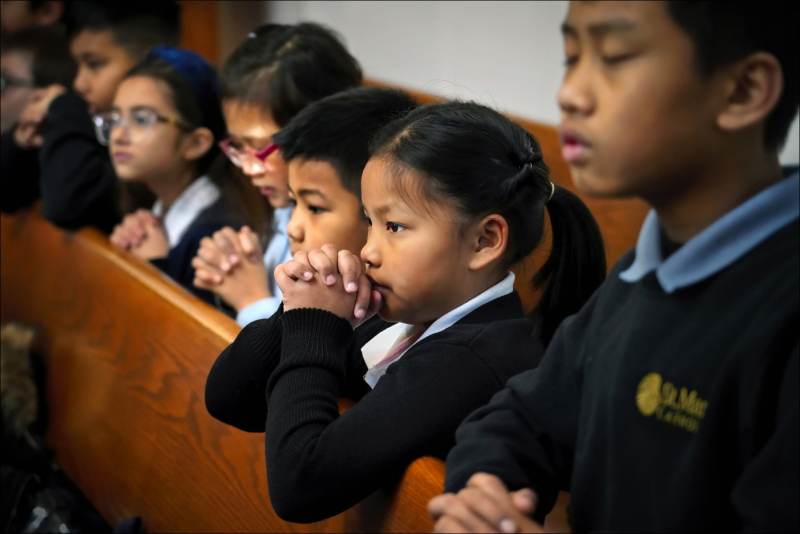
x: 141, y: 234
x: 485, y: 505
x: 328, y: 279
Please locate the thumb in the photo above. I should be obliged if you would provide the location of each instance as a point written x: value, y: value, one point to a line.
x: 525, y: 501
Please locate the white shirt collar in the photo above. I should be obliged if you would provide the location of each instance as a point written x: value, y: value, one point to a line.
x: 377, y: 347
x: 194, y: 199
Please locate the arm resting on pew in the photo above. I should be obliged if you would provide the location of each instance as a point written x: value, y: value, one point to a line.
x: 236, y: 385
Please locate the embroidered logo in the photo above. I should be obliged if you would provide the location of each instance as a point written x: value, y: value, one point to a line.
x: 676, y: 406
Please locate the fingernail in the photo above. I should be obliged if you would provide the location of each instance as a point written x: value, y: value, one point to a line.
x: 508, y: 525
x: 330, y: 280
x: 307, y: 275
x: 233, y: 259
x: 351, y: 287
x: 225, y: 266
x: 359, y: 313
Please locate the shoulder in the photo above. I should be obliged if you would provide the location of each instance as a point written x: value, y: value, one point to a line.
x: 500, y: 348
x: 218, y: 215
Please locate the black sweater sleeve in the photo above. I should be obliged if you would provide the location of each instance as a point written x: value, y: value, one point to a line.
x: 77, y: 180
x: 19, y: 172
x: 526, y: 434
x: 235, y: 388
x: 766, y: 493
x: 237, y: 382
x: 320, y: 463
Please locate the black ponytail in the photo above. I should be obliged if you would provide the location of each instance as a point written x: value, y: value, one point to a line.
x: 480, y: 162
x: 576, y: 265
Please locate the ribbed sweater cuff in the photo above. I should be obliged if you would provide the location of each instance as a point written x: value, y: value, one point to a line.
x: 314, y: 337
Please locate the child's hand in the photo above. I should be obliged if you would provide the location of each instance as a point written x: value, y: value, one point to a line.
x: 218, y: 254
x: 27, y: 133
x: 155, y: 244
x: 339, y: 268
x: 313, y: 291
x: 484, y: 505
x: 230, y: 265
x: 132, y: 230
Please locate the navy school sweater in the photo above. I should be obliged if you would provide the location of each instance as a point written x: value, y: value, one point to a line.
x: 285, y: 374
x: 660, y: 412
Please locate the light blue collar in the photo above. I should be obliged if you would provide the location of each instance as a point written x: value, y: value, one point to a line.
x: 729, y: 238
x: 280, y: 219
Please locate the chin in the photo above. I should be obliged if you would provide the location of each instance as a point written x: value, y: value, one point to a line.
x: 589, y: 183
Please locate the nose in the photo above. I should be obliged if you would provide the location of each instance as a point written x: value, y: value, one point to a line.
x: 81, y: 82
x: 576, y: 96
x: 252, y: 166
x: 295, y: 227
x: 119, y: 134
x: 370, y: 253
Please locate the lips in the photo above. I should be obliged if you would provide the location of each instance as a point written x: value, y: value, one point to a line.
x: 121, y: 157
x: 575, y: 148
x: 377, y: 285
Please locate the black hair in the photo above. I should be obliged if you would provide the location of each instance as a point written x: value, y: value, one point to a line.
x: 196, y: 100
x: 480, y: 162
x: 338, y: 129
x: 724, y: 32
x: 50, y: 59
x: 282, y: 68
x: 135, y: 26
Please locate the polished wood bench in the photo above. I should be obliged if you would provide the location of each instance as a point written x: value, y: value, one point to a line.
x: 126, y: 353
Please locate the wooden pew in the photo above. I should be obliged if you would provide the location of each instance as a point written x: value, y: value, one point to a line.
x: 127, y: 352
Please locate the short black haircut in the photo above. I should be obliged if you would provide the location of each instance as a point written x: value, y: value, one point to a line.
x: 50, y: 59
x: 338, y: 129
x: 135, y: 26
x: 724, y: 32
x: 282, y: 68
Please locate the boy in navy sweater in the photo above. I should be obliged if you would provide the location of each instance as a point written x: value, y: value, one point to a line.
x: 670, y: 401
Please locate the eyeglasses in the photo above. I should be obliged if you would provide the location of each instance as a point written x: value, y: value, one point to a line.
x: 7, y: 81
x: 140, y: 121
x: 247, y: 158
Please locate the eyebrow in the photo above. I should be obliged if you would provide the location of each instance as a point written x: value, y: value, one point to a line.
x: 600, y: 29
x: 310, y: 192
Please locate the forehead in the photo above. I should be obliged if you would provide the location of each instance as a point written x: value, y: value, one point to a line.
x: 97, y: 43
x: 386, y: 187
x: 143, y: 91
x: 616, y: 17
x: 315, y: 175
x: 248, y: 121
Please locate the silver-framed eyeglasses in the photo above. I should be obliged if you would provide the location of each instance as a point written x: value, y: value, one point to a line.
x: 139, y: 121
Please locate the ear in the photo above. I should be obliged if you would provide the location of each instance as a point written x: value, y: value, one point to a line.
x: 196, y: 143
x: 489, y: 239
x: 754, y: 86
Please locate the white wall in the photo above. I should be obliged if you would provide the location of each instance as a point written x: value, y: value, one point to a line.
x: 504, y: 54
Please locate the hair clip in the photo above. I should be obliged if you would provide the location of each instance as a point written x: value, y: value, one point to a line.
x: 552, y: 192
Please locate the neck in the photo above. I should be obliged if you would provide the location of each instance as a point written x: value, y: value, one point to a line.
x: 714, y: 193
x: 168, y: 189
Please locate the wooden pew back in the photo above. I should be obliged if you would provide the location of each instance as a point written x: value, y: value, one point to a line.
x: 127, y: 353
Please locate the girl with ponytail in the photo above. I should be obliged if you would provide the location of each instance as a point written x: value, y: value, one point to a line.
x: 455, y: 194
